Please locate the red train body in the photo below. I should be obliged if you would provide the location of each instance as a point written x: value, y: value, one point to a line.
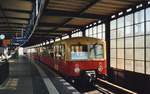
x: 74, y: 67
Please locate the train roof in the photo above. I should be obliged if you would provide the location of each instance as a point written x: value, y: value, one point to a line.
x: 80, y: 39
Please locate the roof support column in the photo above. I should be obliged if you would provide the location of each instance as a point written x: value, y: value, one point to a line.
x: 83, y: 32
x: 107, y: 38
x: 69, y: 35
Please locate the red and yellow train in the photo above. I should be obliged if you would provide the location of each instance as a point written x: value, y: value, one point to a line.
x: 75, y: 57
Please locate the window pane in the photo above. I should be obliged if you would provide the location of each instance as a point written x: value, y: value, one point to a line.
x: 120, y: 22
x: 139, y: 54
x: 100, y: 35
x: 139, y: 29
x: 113, y: 43
x: 103, y: 27
x: 120, y: 63
x: 113, y: 63
x: 139, y: 16
x: 147, y: 67
x: 120, y: 43
x: 95, y: 35
x: 120, y: 53
x: 129, y: 31
x: 129, y: 53
x: 129, y: 65
x: 99, y: 28
x: 129, y: 19
x: 148, y: 14
x: 148, y: 54
x: 139, y: 41
x: 113, y: 53
x: 139, y: 66
x: 79, y: 34
x: 104, y: 35
x: 86, y: 32
x: 147, y: 27
x: 129, y: 42
x: 94, y: 30
x: 148, y: 41
x: 89, y: 35
x: 120, y: 33
x: 113, y: 34
x: 113, y: 24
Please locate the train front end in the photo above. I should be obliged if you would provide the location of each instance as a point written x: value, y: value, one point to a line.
x: 87, y: 61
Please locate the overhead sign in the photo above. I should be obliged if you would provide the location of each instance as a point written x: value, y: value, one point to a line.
x: 18, y: 40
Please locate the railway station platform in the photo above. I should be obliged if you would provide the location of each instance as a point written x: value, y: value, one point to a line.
x: 28, y: 77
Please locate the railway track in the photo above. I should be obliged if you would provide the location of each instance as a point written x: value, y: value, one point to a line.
x: 99, y: 87
x: 102, y: 87
x: 110, y: 88
x: 103, y: 90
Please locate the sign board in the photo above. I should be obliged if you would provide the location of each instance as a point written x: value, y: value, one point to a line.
x: 18, y: 40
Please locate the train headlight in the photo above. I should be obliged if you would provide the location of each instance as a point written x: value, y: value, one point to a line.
x: 100, y: 68
x: 76, y: 69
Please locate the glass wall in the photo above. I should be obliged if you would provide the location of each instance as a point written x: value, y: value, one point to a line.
x: 65, y: 37
x: 147, y: 41
x: 77, y: 34
x: 96, y: 31
x: 130, y: 42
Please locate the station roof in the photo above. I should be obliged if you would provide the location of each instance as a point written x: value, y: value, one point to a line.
x: 14, y: 16
x: 58, y: 16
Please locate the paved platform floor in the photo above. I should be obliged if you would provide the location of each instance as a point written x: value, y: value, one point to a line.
x: 24, y: 79
x: 33, y: 77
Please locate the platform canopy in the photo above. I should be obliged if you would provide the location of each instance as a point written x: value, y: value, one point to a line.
x: 58, y: 17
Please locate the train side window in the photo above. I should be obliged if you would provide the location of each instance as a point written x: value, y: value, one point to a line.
x: 51, y: 51
x: 62, y: 51
x: 57, y: 52
x: 44, y: 52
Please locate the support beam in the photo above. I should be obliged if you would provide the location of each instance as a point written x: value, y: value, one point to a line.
x: 9, y: 30
x: 48, y: 34
x: 93, y: 2
x: 1, y: 23
x: 41, y: 36
x: 51, y: 12
x: 16, y: 18
x: 16, y: 10
x: 12, y: 27
x: 55, y: 24
x: 50, y: 31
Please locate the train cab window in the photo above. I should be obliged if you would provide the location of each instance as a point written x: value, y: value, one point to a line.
x: 79, y: 52
x: 96, y: 52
